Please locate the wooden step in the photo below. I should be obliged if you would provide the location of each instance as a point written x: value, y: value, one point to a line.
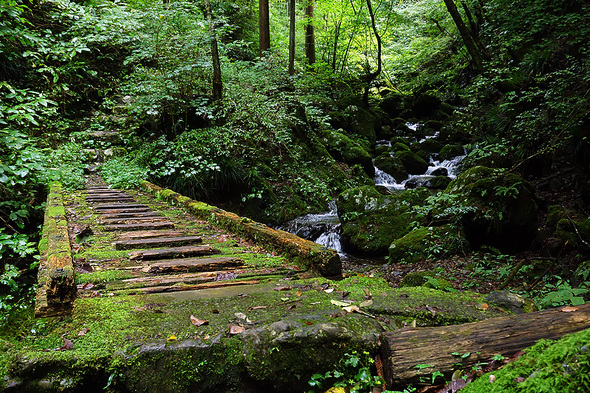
x: 110, y: 206
x: 105, y: 199
x: 132, y: 220
x: 167, y: 280
x: 157, y: 242
x: 132, y: 214
x: 193, y: 265
x: 147, y: 234
x: 193, y: 287
x: 125, y: 210
x: 139, y: 226
x: 173, y: 252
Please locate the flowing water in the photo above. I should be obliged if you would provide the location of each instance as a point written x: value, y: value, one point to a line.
x: 325, y: 228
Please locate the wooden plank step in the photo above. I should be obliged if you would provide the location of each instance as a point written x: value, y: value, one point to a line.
x: 193, y: 287
x: 193, y: 265
x: 140, y: 226
x: 132, y: 214
x: 132, y: 220
x: 167, y: 280
x: 110, y: 206
x: 106, y: 194
x: 145, y: 234
x: 125, y: 210
x: 114, y: 198
x: 173, y: 252
x: 157, y: 242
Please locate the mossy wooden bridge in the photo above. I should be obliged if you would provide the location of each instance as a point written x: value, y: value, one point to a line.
x: 147, y: 290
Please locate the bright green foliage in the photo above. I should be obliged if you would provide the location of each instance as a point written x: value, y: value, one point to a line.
x: 548, y: 366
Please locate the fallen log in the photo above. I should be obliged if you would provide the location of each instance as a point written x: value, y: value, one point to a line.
x: 412, y: 355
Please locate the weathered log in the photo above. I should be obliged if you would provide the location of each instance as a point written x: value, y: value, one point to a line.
x: 117, y: 210
x: 173, y: 252
x: 448, y: 348
x: 131, y: 220
x: 194, y: 287
x: 157, y: 242
x: 132, y: 214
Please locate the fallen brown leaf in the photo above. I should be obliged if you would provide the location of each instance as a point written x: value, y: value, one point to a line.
x: 569, y: 309
x: 236, y: 329
x: 198, y: 322
x: 83, y: 332
x: 482, y: 307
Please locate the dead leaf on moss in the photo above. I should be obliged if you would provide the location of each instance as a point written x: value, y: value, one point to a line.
x: 198, y: 322
x: 482, y: 307
x: 236, y: 329
x: 83, y: 332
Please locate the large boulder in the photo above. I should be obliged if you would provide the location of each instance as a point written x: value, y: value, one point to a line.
x: 360, y: 122
x: 451, y: 151
x: 414, y: 164
x: 427, y: 242
x: 503, y: 207
x: 345, y: 149
x: 392, y: 166
x: 371, y: 221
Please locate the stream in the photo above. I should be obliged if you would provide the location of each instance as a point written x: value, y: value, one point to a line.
x: 325, y: 228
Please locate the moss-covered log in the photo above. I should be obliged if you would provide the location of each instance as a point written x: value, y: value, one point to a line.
x: 56, y: 285
x: 448, y: 348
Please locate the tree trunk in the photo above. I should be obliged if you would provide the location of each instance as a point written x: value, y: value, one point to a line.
x: 371, y: 76
x: 291, y: 37
x: 475, y: 343
x: 217, y: 82
x: 335, y: 47
x: 309, y: 34
x: 466, y: 35
x: 263, y: 27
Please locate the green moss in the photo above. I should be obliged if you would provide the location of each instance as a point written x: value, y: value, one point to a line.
x: 548, y: 366
x: 103, y: 276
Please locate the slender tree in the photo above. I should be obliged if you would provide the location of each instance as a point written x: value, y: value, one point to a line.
x: 468, y: 40
x: 263, y: 27
x: 291, y: 37
x: 371, y: 76
x: 217, y: 82
x: 309, y: 33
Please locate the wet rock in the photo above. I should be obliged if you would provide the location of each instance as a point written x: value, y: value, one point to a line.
x: 399, y: 146
x: 425, y: 242
x: 450, y: 151
x: 429, y: 146
x: 437, y: 182
x: 360, y: 122
x: 425, y: 105
x: 440, y: 172
x: 512, y: 301
x: 392, y: 166
x: 504, y: 208
x: 345, y: 149
x: 371, y: 221
x: 414, y: 164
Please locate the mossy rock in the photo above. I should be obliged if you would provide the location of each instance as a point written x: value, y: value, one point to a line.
x: 451, y: 151
x: 392, y: 166
x: 426, y: 279
x: 414, y: 164
x: 430, y: 146
x: 435, y: 125
x: 399, y: 146
x: 424, y: 242
x: 504, y: 207
x: 454, y: 135
x: 426, y: 104
x: 438, y: 183
x: 382, y: 149
x: 371, y: 221
x: 573, y: 233
x: 345, y: 149
x: 360, y: 122
x: 393, y: 104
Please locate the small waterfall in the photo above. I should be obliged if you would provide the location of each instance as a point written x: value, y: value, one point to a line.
x: 323, y: 228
